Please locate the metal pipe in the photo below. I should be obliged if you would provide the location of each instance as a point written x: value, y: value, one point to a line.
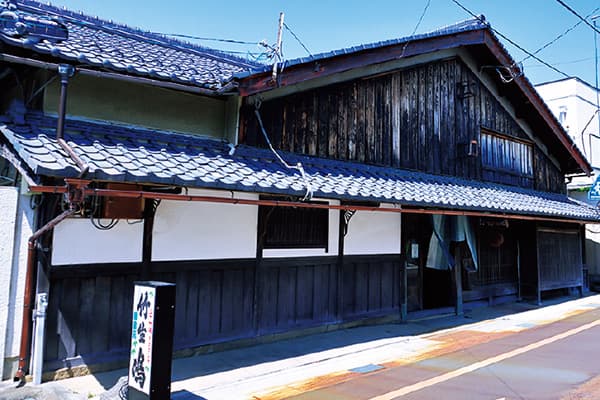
x: 66, y: 71
x: 137, y: 194
x: 28, y: 293
x: 116, y: 76
x: 37, y: 363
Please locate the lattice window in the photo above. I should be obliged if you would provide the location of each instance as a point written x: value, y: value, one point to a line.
x: 507, y: 154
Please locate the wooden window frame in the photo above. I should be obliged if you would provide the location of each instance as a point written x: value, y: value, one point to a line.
x: 508, y: 138
x: 273, y: 222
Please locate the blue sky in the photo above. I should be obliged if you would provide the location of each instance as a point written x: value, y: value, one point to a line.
x: 326, y: 25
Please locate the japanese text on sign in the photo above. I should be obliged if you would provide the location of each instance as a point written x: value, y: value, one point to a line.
x: 140, y: 360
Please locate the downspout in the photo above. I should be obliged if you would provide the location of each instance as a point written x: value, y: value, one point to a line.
x: 67, y: 71
x: 28, y: 293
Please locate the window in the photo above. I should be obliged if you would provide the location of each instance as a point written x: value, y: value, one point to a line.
x: 293, y: 228
x: 8, y: 173
x: 562, y: 116
x: 507, y: 154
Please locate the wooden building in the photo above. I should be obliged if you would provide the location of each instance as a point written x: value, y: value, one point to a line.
x: 357, y: 186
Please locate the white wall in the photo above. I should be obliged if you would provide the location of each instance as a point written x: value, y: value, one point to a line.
x: 77, y: 241
x: 203, y: 231
x: 372, y: 232
x: 15, y: 229
x: 332, y: 245
x: 578, y: 100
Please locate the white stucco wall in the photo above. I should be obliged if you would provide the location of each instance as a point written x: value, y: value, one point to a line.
x: 578, y: 102
x: 203, y: 231
x: 373, y: 233
x: 77, y: 241
x: 332, y: 243
x: 15, y: 228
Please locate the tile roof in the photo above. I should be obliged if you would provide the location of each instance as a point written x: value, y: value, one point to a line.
x: 103, y: 44
x: 462, y: 26
x: 120, y: 153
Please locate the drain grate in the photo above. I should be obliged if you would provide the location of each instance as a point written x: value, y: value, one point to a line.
x: 365, y: 369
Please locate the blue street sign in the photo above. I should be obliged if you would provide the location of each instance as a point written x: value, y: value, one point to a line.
x: 594, y: 193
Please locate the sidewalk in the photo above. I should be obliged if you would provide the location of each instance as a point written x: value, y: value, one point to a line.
x: 269, y: 371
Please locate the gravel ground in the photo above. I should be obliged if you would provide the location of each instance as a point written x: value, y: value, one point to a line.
x: 47, y: 391
x: 588, y: 391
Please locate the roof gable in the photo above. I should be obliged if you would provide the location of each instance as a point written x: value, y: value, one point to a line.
x: 474, y: 35
x: 104, y: 44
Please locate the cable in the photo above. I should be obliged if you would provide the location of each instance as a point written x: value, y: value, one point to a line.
x: 416, y: 27
x: 298, y: 166
x: 297, y: 39
x: 179, y: 35
x: 561, y: 35
x: 585, y: 21
x: 509, y: 40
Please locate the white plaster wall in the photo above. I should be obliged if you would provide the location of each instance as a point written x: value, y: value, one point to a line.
x: 204, y: 231
x: 77, y: 241
x: 8, y: 216
x: 580, y: 102
x: 371, y: 232
x: 333, y: 240
x: 16, y: 222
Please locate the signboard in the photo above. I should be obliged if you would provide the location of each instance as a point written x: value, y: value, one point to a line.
x: 140, y: 359
x: 594, y: 193
x: 152, y: 322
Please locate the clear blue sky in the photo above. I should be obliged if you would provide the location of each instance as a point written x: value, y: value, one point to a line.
x: 326, y: 25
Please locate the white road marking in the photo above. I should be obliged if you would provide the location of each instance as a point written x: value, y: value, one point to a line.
x: 482, y: 364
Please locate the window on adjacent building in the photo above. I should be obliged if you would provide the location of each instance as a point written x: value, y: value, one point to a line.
x: 562, y: 115
x: 293, y: 228
x: 506, y: 154
x: 8, y: 174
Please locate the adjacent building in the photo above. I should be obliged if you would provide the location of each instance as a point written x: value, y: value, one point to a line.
x: 356, y: 186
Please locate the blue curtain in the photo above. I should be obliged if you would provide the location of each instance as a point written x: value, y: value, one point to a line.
x: 447, y: 229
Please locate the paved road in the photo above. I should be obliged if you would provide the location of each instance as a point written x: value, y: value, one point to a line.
x: 545, y: 362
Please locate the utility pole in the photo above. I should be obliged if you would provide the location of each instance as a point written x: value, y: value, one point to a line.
x: 594, y: 18
x: 278, y: 47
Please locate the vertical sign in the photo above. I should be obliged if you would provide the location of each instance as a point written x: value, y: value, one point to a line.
x: 151, y: 340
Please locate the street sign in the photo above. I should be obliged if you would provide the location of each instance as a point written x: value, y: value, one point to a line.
x: 150, y: 357
x: 594, y: 193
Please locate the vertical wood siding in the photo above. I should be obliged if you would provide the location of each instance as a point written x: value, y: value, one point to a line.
x: 89, y: 314
x: 415, y: 118
x: 559, y: 258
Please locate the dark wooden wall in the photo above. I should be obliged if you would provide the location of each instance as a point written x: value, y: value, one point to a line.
x: 415, y: 118
x: 559, y: 258
x: 89, y: 314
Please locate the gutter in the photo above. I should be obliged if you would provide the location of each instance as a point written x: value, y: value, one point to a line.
x: 116, y: 76
x: 138, y: 194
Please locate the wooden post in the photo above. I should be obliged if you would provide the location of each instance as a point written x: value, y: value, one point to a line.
x: 457, y: 278
x: 404, y: 289
x: 340, y: 268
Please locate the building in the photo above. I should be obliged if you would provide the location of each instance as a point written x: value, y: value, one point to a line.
x: 575, y: 103
x: 355, y: 186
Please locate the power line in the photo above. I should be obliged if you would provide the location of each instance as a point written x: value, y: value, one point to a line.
x: 206, y: 38
x: 416, y: 26
x: 561, y: 35
x: 585, y: 21
x: 297, y: 38
x: 511, y: 41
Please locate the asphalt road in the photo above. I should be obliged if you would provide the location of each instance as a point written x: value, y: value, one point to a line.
x: 545, y: 362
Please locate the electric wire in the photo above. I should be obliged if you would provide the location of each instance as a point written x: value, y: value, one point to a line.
x: 560, y: 36
x: 584, y: 20
x: 298, y: 167
x: 510, y: 40
x: 297, y: 38
x: 416, y: 27
x: 209, y: 39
